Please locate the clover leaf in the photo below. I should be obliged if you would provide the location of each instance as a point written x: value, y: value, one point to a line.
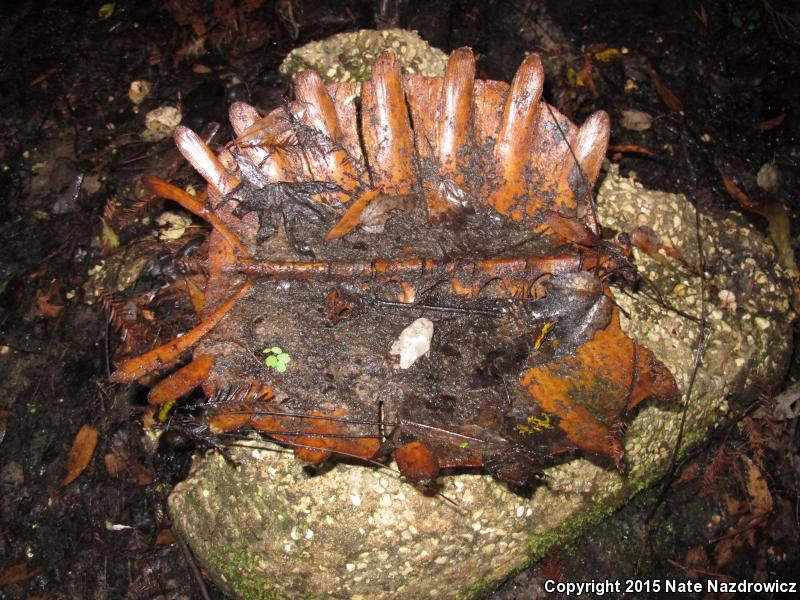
x: 276, y: 358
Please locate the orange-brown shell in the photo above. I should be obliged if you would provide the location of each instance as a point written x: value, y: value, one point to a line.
x: 450, y: 145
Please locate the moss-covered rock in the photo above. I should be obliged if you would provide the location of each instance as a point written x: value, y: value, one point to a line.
x: 269, y: 529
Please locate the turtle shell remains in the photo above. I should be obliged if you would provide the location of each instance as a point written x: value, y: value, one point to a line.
x: 414, y: 272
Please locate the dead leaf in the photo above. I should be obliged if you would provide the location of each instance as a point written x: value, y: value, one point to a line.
x: 591, y: 391
x: 769, y: 123
x: 18, y: 573
x: 757, y: 489
x: 165, y: 537
x: 114, y: 466
x: 696, y: 560
x: 571, y: 230
x: 779, y: 227
x: 139, y: 90
x: 702, y: 14
x: 737, y: 194
x: 80, y: 454
x: 723, y: 551
x: 636, y: 120
x: 689, y: 472
x: 733, y: 506
x: 373, y: 219
x: 633, y: 148
x: 666, y: 95
x: 120, y: 464
x: 586, y: 75
x: 47, y: 302
x: 196, y: 294
x: 149, y: 417
x: 552, y: 567
x: 417, y: 462
x: 42, y: 77
x: 647, y: 241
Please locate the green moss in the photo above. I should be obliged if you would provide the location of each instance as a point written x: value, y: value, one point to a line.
x: 237, y: 569
x: 566, y: 530
x: 479, y: 589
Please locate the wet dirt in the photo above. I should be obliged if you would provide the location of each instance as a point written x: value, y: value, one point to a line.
x: 71, y: 142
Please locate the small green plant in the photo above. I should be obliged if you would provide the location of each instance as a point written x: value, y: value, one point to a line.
x: 276, y: 358
x: 749, y: 20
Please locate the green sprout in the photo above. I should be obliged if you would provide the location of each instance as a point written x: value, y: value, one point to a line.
x: 276, y: 358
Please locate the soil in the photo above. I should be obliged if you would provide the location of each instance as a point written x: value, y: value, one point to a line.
x: 726, y: 100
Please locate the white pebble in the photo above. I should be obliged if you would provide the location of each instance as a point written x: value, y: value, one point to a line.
x: 414, y: 341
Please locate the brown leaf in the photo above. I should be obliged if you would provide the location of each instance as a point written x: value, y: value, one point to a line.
x: 591, y: 391
x: 666, y: 95
x: 318, y: 435
x: 47, y: 302
x: 586, y: 75
x: 631, y: 148
x: 80, y: 454
x: 696, y: 560
x: 733, y: 506
x: 416, y: 461
x: 737, y: 194
x: 570, y: 229
x: 238, y: 409
x: 647, y: 241
x: 18, y: 573
x: 757, y: 489
x: 165, y: 537
x: 702, y: 14
x: 778, y: 223
x: 636, y: 120
x: 769, y: 123
x: 723, y: 551
x: 689, y: 472
x: 114, y: 466
x: 120, y: 464
x: 42, y: 77
x: 149, y: 417
x: 552, y: 567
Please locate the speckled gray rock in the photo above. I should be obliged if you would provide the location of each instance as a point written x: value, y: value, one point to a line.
x: 348, y: 56
x: 267, y: 529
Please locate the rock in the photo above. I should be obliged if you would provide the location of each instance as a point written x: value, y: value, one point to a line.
x: 268, y: 528
x: 414, y: 341
x: 160, y: 123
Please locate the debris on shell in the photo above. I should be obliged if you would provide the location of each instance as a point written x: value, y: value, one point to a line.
x: 414, y: 341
